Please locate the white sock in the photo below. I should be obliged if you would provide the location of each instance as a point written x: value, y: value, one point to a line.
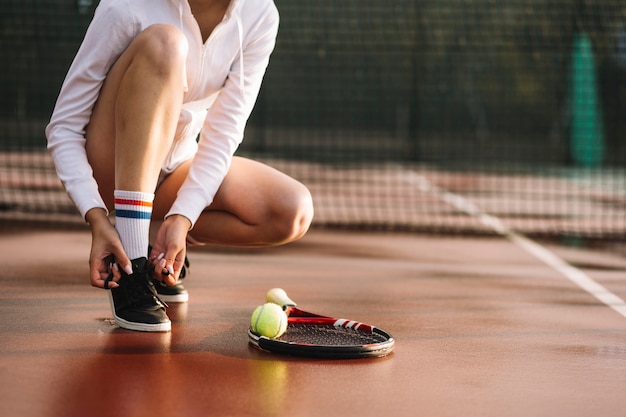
x: 132, y: 221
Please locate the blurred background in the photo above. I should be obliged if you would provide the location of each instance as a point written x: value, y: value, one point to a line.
x: 398, y: 115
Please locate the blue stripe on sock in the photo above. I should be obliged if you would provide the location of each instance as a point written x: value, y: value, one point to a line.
x: 131, y: 214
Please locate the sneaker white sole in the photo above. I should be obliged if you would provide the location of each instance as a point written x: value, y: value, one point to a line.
x: 178, y: 298
x: 141, y: 327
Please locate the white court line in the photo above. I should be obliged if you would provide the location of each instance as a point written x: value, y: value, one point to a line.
x: 575, y: 275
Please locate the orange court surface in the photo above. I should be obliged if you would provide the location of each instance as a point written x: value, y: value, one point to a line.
x: 482, y: 328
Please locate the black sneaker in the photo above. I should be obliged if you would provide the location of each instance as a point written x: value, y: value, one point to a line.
x: 135, y: 303
x: 171, y: 294
x: 175, y: 293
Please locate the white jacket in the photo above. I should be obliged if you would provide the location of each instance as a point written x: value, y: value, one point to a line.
x: 224, y: 76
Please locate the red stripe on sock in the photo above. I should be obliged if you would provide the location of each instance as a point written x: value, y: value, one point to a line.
x: 133, y: 202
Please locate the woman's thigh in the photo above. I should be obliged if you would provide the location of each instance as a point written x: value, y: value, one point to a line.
x: 251, y: 191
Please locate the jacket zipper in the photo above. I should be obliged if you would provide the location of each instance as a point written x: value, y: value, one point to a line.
x: 205, y: 44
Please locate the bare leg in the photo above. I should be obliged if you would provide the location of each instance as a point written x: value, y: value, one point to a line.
x: 256, y: 205
x: 134, y: 119
x: 131, y: 129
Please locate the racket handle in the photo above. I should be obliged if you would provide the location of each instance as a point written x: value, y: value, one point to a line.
x: 280, y: 297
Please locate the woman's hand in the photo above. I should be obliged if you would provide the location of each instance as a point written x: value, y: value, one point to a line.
x: 169, y: 249
x: 106, y: 251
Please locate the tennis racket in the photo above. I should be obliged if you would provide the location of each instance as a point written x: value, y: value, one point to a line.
x: 315, y: 336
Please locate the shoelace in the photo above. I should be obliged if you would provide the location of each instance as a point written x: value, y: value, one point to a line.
x: 140, y: 289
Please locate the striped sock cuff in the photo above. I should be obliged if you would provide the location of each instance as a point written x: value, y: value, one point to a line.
x: 133, y: 204
x: 132, y: 220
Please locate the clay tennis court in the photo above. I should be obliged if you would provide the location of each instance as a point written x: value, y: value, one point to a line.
x: 482, y: 328
x: 468, y: 167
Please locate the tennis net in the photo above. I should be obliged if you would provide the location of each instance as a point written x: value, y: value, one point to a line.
x: 405, y: 115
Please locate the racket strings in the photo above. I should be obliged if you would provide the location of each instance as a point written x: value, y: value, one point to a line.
x: 319, y: 334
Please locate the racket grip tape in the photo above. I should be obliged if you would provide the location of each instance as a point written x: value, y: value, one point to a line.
x: 280, y: 297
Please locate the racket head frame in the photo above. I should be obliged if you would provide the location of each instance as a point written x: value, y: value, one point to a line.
x: 297, y: 317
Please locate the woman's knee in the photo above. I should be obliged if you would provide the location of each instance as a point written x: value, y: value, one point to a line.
x: 164, y: 47
x: 293, y: 217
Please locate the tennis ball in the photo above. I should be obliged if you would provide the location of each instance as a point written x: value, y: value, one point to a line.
x: 269, y: 320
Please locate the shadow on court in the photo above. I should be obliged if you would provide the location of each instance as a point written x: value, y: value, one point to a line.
x: 482, y: 328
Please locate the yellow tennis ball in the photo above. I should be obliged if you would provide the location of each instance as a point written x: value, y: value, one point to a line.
x: 269, y: 320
